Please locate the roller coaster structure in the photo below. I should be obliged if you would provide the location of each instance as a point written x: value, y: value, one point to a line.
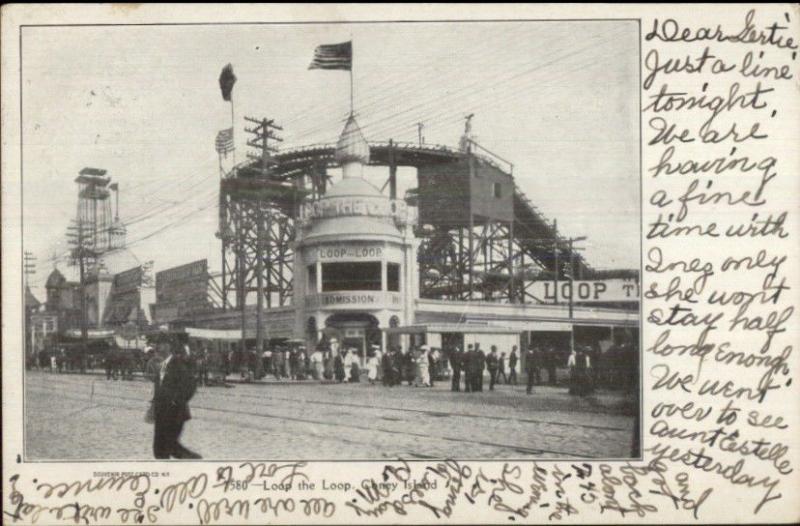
x: 480, y: 237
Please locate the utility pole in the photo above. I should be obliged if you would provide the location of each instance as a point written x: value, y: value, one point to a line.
x: 262, y: 133
x: 555, y: 265
x: 420, y: 127
x: 29, y: 268
x: 79, y: 254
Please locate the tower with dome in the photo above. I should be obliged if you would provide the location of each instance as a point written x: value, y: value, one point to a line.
x: 355, y: 267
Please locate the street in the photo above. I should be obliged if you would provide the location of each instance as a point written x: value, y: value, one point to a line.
x: 73, y: 416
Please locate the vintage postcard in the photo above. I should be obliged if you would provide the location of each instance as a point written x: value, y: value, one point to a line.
x: 401, y: 264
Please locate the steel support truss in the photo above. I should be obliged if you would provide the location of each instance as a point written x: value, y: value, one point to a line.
x: 250, y: 229
x: 483, y: 261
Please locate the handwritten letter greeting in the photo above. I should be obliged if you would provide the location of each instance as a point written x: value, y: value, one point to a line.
x: 719, y: 109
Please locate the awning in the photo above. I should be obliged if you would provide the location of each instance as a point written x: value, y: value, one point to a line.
x: 462, y: 328
x: 91, y: 334
x: 233, y: 335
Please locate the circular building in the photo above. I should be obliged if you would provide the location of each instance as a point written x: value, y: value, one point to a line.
x: 355, y: 257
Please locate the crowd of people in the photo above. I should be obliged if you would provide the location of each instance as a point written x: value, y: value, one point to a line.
x: 466, y: 370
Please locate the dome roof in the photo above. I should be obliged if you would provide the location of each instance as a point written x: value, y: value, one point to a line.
x: 353, y: 187
x: 55, y: 280
x: 352, y: 146
x: 120, y: 260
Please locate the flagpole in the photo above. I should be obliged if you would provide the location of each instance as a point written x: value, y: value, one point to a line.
x: 352, y: 65
x: 233, y: 131
x: 351, y: 90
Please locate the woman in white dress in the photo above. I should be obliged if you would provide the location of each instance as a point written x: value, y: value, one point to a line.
x: 373, y: 363
x: 422, y: 364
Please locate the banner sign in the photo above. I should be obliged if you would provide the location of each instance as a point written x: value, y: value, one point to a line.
x: 182, y: 291
x: 599, y: 291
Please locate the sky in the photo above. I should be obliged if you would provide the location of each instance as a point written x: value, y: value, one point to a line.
x: 557, y: 99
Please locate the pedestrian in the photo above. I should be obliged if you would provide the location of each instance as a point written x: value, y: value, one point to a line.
x: 501, y: 370
x: 552, y: 361
x: 410, y: 366
x: 174, y: 387
x: 373, y: 364
x: 379, y: 360
x: 293, y: 364
x: 594, y: 353
x: 579, y: 365
x: 468, y: 366
x: 338, y: 367
x: 540, y: 358
x: 433, y: 365
x: 303, y: 364
x: 398, y: 363
x: 328, y: 364
x: 108, y: 363
x: 456, y: 358
x: 423, y: 367
x: 317, y: 366
x: 492, y: 363
x: 355, y: 372
x: 480, y: 366
x: 386, y: 367
x: 512, y: 366
x: 531, y: 368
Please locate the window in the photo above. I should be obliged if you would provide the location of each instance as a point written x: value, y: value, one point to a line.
x: 351, y: 276
x: 497, y: 190
x: 312, y: 279
x: 393, y: 277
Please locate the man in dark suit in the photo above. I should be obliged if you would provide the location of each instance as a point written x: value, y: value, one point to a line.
x: 480, y: 366
x: 512, y: 366
x: 531, y: 367
x: 493, y: 364
x: 174, y: 387
x: 456, y: 359
x: 552, y: 362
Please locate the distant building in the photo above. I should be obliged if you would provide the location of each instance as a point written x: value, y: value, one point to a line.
x: 63, y: 301
x: 114, y: 301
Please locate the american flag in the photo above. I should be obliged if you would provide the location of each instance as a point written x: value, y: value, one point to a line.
x: 333, y: 56
x: 224, y: 141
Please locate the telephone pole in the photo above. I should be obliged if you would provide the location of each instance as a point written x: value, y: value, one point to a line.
x: 29, y: 268
x: 79, y: 253
x: 29, y: 265
x: 261, y: 134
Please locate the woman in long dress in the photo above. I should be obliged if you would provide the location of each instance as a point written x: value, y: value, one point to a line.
x: 424, y: 370
x: 338, y: 368
x: 354, y: 369
x: 373, y: 364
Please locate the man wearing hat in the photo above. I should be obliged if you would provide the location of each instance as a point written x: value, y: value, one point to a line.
x: 174, y: 386
x: 480, y: 365
x: 493, y: 364
x: 468, y: 364
x: 531, y: 367
x: 456, y: 359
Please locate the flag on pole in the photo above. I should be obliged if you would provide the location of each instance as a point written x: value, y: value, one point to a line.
x: 226, y: 81
x: 113, y: 186
x: 333, y: 56
x: 224, y: 142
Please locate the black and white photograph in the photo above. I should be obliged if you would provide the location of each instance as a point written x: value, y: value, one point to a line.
x: 331, y: 241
